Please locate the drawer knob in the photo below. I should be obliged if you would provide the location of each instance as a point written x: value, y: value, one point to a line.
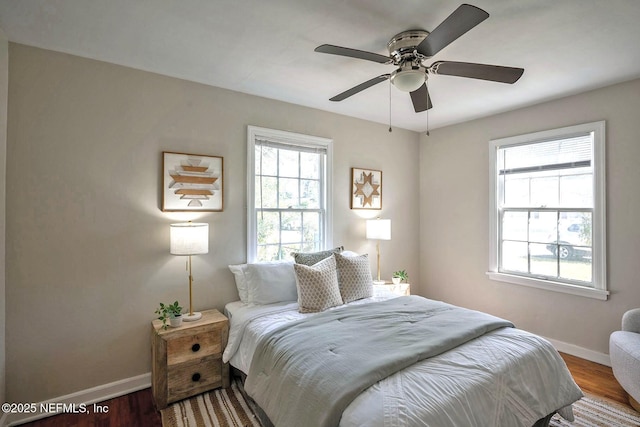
x: 195, y: 347
x: 195, y: 377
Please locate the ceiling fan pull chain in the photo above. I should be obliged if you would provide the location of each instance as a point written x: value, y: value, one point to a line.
x: 390, y: 130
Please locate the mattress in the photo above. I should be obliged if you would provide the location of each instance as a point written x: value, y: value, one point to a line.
x: 506, y: 377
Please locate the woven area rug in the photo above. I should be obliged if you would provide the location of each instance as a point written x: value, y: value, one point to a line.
x: 592, y: 411
x: 228, y: 408
x: 218, y: 408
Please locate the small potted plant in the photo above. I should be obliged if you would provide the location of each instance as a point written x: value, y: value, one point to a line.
x: 173, y: 312
x: 399, y: 276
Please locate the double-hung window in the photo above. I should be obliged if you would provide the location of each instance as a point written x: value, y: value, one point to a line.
x: 288, y: 194
x: 548, y: 210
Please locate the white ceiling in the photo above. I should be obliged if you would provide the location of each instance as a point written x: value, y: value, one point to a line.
x: 265, y: 48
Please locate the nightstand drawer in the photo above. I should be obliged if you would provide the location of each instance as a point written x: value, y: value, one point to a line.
x: 193, y: 377
x: 191, y: 347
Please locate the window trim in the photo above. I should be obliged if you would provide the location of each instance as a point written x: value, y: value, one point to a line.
x: 255, y: 132
x: 599, y: 259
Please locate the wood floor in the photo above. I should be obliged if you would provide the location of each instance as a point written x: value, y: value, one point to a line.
x: 132, y: 410
x: 595, y: 379
x: 136, y: 409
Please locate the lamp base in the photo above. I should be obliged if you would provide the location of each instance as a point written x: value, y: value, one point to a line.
x: 375, y: 282
x: 192, y: 317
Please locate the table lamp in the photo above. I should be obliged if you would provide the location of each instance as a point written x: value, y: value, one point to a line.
x: 190, y: 238
x: 378, y: 229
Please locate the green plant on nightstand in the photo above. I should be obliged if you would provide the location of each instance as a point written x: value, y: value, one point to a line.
x: 400, y: 276
x: 173, y: 312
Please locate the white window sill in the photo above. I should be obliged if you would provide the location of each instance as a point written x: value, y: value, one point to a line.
x: 550, y: 285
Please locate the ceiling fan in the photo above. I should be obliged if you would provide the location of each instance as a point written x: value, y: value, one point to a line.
x: 409, y: 49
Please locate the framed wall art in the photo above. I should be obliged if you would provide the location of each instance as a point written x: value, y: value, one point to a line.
x: 366, y: 189
x: 191, y: 182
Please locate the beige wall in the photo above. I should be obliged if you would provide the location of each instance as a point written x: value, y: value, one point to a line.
x: 454, y: 188
x: 87, y: 245
x: 4, y: 80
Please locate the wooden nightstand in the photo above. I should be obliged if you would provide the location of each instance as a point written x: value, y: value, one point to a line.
x: 399, y: 289
x: 187, y: 360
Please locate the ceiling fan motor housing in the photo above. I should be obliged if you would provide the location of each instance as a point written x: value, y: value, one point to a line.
x: 403, y: 45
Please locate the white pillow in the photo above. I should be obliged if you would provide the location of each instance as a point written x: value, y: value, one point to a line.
x: 270, y: 282
x: 238, y: 271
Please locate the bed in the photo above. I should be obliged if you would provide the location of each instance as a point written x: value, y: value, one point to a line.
x: 494, y: 375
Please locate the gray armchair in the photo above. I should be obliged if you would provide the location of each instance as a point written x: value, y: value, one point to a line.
x: 624, y: 349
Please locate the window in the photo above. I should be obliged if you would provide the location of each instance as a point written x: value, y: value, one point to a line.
x: 548, y: 210
x: 288, y: 193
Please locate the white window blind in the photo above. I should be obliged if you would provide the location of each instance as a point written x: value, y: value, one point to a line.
x: 564, y: 153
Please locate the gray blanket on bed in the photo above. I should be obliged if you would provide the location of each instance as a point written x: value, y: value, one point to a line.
x: 307, y: 372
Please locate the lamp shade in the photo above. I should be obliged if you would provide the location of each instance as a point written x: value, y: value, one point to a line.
x: 189, y: 238
x: 379, y: 229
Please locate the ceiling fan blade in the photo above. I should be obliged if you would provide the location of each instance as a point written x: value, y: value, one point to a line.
x: 494, y: 73
x: 459, y: 22
x: 352, y: 53
x: 360, y: 87
x: 421, y: 99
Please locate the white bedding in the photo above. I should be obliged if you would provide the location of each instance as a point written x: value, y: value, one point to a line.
x: 248, y: 322
x: 507, y: 377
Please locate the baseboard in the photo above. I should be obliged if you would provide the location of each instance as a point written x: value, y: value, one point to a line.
x: 583, y: 353
x: 84, y: 397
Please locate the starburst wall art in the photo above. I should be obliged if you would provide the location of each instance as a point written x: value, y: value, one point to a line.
x: 366, y: 189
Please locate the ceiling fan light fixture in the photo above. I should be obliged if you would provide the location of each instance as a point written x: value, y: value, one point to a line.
x: 408, y: 80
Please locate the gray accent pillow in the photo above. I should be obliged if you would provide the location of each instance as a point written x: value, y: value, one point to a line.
x: 354, y: 277
x: 317, y: 286
x: 310, y: 258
